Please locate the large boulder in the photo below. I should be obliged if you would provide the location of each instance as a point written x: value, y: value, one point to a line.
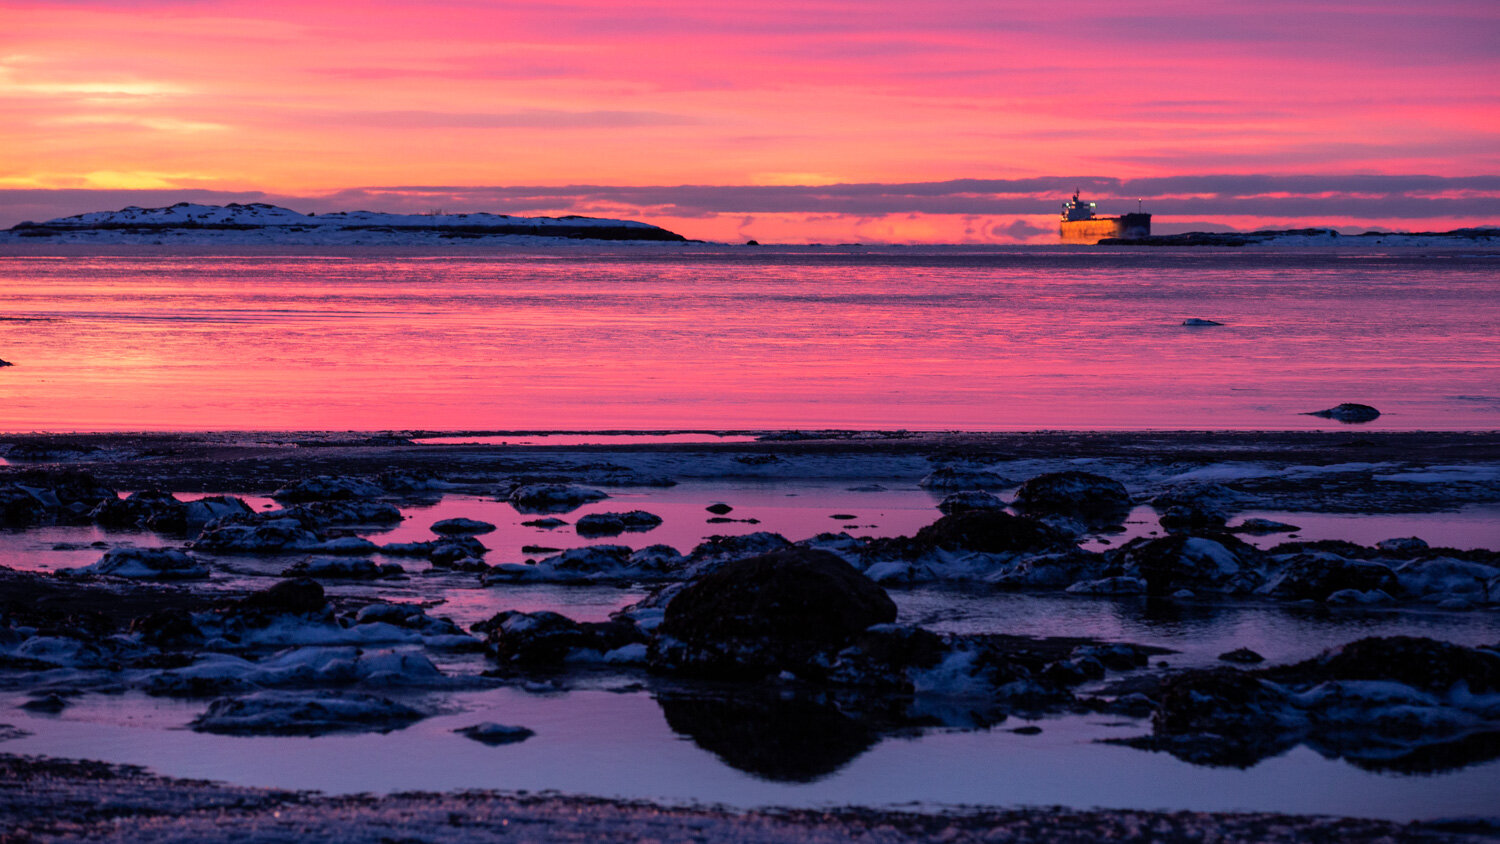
x: 769, y: 613
x: 1092, y: 498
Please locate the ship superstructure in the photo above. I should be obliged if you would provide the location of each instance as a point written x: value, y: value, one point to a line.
x: 1080, y: 225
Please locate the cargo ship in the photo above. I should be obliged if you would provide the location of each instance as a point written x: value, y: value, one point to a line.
x: 1079, y: 225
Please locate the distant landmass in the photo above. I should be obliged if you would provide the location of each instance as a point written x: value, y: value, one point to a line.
x: 258, y: 222
x: 1312, y: 237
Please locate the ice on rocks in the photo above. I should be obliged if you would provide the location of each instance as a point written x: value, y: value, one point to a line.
x: 304, y: 713
x: 963, y: 502
x: 273, y: 536
x: 595, y: 562
x: 552, y: 498
x: 327, y: 488
x: 462, y: 526
x: 958, y: 478
x: 207, y: 509
x: 146, y: 564
x: 343, y: 567
x: 612, y: 524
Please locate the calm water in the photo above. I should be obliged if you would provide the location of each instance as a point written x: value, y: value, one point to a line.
x: 645, y: 339
x: 609, y: 736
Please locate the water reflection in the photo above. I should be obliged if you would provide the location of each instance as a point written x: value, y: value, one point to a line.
x: 794, y: 740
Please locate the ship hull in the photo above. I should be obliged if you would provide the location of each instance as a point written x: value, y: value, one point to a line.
x: 1092, y: 231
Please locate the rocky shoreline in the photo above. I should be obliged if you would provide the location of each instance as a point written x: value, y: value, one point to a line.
x: 783, y: 658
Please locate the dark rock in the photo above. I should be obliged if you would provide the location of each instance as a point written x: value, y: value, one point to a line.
x: 547, y: 523
x: 314, y: 514
x: 296, y: 597
x: 303, y: 713
x: 462, y: 526
x: 968, y: 501
x: 1198, y: 322
x: 1116, y: 656
x: 1263, y: 526
x: 883, y: 656
x: 1222, y: 701
x: 760, y: 615
x: 342, y: 568
x: 1316, y: 576
x: 1195, y: 508
x: 960, y: 478
x: 1421, y: 663
x: 548, y: 639
x: 1093, y: 498
x: 736, y: 547
x: 495, y: 734
x: 1220, y: 563
x: 52, y: 703
x: 172, y: 627
x: 1348, y: 413
x: 612, y: 524
x: 984, y: 531
x: 450, y: 550
x: 442, y: 552
x: 272, y: 536
x: 1244, y: 656
x: 327, y: 488
x: 552, y: 498
x: 719, y: 508
x: 145, y: 564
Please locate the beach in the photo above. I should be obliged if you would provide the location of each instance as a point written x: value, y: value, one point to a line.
x: 369, y: 605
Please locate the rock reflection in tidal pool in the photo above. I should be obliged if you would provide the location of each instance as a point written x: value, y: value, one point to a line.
x: 797, y: 740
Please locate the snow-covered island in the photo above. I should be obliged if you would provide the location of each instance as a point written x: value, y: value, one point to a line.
x: 258, y: 222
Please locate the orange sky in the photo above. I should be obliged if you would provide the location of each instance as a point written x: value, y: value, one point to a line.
x: 303, y: 100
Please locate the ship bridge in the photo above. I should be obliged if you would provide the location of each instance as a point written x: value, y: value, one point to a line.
x: 1075, y: 209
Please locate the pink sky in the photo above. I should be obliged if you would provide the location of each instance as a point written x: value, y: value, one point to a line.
x: 324, y: 105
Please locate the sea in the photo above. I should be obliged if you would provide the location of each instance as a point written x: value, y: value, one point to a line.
x: 634, y: 338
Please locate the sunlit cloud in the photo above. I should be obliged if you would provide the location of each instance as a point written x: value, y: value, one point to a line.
x: 787, y: 106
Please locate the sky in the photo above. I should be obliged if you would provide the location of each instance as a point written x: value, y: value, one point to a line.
x: 821, y: 120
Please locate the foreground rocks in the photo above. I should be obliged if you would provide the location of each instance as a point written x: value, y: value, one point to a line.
x: 1394, y: 703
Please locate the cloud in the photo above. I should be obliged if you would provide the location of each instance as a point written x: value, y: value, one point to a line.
x: 534, y: 118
